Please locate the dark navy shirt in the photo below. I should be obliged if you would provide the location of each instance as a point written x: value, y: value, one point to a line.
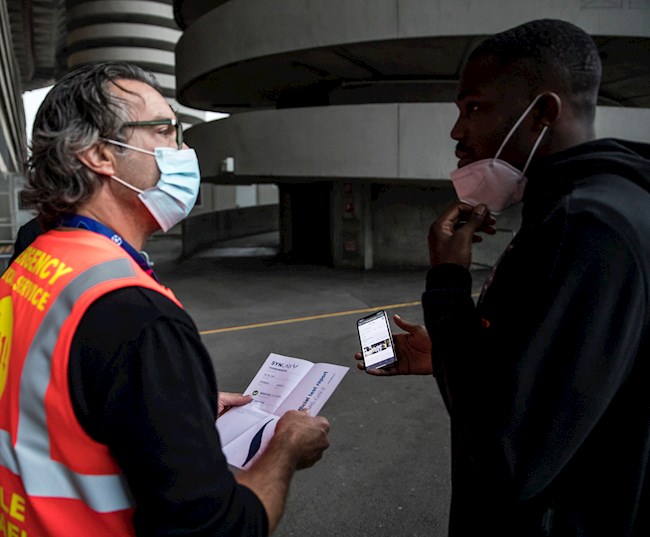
x: 142, y: 383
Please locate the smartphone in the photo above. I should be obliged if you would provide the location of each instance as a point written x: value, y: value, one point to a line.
x: 376, y: 340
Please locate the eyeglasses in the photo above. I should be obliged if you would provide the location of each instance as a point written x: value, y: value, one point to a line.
x: 178, y: 126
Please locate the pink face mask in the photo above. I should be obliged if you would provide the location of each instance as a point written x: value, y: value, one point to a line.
x: 494, y: 182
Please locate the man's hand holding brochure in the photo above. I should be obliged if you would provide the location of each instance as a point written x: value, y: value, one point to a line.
x: 282, y: 383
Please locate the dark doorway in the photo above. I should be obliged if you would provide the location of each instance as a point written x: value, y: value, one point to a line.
x: 305, y: 227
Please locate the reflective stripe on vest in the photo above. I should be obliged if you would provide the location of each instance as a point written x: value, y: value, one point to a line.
x: 30, y: 457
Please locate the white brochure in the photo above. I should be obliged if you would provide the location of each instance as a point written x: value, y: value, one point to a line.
x: 282, y: 383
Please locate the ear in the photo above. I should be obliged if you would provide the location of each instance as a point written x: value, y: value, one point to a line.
x: 548, y: 109
x: 98, y: 158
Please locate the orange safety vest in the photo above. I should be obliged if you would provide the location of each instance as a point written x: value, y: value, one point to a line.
x: 54, y: 478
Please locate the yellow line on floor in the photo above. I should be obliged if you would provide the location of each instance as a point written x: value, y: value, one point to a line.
x: 313, y: 317
x: 310, y: 318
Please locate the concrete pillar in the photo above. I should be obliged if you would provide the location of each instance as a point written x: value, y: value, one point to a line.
x: 352, y: 241
x: 267, y: 194
x: 286, y: 228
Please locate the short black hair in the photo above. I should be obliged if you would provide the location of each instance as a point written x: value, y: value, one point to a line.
x: 557, y: 49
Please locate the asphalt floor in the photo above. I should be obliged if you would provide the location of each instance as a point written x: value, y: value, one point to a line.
x: 387, y: 471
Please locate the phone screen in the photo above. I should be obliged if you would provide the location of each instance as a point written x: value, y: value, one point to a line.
x: 376, y: 340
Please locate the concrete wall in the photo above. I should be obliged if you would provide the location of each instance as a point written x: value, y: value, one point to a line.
x: 380, y: 141
x: 402, y: 215
x: 386, y: 225
x: 627, y: 123
x: 392, y: 141
x: 203, y: 230
x: 358, y: 94
x: 364, y: 145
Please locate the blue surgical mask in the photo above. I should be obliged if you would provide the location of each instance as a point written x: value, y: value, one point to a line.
x: 175, y: 193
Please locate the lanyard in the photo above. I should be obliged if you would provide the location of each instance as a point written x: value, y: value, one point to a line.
x: 83, y: 222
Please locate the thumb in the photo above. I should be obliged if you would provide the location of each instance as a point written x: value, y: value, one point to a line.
x: 237, y: 399
x: 404, y: 324
x: 479, y: 214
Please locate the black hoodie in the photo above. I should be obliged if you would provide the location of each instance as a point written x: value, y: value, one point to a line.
x: 546, y: 378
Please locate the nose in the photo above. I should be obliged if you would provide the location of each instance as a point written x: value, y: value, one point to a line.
x: 457, y: 130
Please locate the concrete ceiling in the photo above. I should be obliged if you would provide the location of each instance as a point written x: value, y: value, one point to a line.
x: 404, y: 70
x: 186, y: 13
x: 38, y: 31
x: 423, y: 69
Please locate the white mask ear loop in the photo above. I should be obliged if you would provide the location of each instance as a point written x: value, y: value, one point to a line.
x: 532, y: 151
x: 122, y: 181
x: 514, y: 127
x: 122, y: 144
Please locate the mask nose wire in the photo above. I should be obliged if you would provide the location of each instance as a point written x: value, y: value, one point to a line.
x: 514, y: 128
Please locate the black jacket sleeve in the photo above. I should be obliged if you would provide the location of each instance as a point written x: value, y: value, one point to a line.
x: 143, y: 383
x: 530, y: 373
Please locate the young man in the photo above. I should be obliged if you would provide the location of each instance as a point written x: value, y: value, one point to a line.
x: 107, y: 396
x: 545, y: 379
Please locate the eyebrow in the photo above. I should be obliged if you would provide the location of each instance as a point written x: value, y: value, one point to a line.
x: 158, y: 117
x: 152, y: 122
x: 161, y: 117
x: 164, y: 115
x: 468, y: 93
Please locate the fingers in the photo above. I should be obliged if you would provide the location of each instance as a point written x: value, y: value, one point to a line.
x: 455, y: 212
x: 361, y: 366
x: 412, y: 349
x: 383, y: 372
x: 305, y: 435
x: 451, y: 236
x: 459, y: 214
x: 481, y: 221
x: 475, y: 221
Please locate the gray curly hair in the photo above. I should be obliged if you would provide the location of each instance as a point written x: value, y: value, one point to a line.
x: 78, y: 111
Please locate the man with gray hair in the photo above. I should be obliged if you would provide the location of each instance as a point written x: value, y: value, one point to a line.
x: 108, y: 398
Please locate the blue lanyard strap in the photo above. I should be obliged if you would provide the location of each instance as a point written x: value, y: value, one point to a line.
x: 83, y: 222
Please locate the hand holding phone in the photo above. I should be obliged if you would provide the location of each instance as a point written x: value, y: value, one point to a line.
x: 376, y: 340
